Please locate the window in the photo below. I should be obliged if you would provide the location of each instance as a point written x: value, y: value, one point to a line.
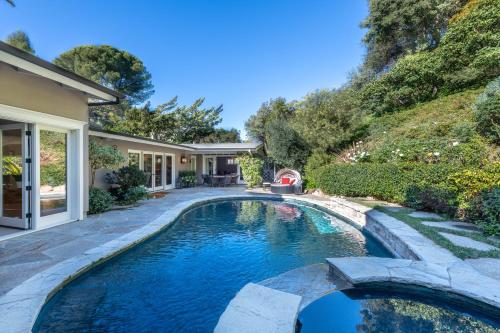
x: 134, y: 158
x: 192, y: 166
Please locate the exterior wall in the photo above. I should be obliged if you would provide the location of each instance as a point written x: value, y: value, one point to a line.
x: 199, y: 168
x: 124, y: 146
x: 35, y: 93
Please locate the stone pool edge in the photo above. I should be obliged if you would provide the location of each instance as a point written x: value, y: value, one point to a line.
x: 419, y: 262
x: 21, y: 305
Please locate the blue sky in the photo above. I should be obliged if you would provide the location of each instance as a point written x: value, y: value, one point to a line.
x: 233, y: 52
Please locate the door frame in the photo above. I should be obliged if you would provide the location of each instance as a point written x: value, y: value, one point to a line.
x: 25, y: 221
x: 77, y: 129
x: 174, y: 178
x: 162, y: 172
x: 152, y: 167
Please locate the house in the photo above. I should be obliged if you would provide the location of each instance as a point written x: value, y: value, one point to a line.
x: 44, y: 138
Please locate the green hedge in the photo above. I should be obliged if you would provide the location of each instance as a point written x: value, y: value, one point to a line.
x: 454, y: 190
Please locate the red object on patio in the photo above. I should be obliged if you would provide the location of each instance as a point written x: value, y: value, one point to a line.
x: 287, y: 181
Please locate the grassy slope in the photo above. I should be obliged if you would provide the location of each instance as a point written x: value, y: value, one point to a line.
x: 425, y: 123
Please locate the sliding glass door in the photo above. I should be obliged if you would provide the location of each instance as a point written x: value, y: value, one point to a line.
x: 15, y: 163
x: 169, y: 171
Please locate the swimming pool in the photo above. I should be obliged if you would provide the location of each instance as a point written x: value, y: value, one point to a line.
x: 182, y: 279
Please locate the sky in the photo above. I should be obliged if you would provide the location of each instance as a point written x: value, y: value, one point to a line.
x: 239, y: 53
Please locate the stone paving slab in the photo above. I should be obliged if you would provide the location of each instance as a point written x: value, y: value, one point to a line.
x: 258, y: 309
x: 425, y: 215
x: 457, y: 277
x: 310, y: 282
x: 487, y: 266
x: 453, y: 225
x: 467, y: 242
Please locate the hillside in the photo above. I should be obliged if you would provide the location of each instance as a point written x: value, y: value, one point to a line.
x: 440, y: 130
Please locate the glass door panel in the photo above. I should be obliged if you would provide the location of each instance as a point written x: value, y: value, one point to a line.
x: 148, y: 169
x: 169, y: 171
x: 158, y: 174
x: 134, y: 159
x: 53, y: 172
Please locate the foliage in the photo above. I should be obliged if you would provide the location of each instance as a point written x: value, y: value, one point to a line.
x: 487, y: 111
x: 187, y: 178
x: 329, y: 119
x: 102, y: 157
x: 127, y: 177
x: 285, y: 146
x: 315, y: 161
x: 132, y: 195
x: 276, y: 109
x: 397, y: 28
x: 467, y: 56
x: 53, y: 165
x: 251, y: 167
x: 170, y: 121
x: 99, y: 201
x: 12, y: 166
x: 221, y: 135
x: 20, y: 40
x: 110, y: 67
x: 490, y: 200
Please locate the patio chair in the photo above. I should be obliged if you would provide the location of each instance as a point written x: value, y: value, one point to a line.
x: 226, y: 181
x: 207, y: 180
x: 287, y: 181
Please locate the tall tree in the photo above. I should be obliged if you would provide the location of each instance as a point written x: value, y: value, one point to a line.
x: 11, y: 2
x: 171, y: 122
x: 20, y: 40
x: 396, y: 28
x: 275, y: 109
x: 111, y: 67
x: 115, y: 69
x: 222, y: 135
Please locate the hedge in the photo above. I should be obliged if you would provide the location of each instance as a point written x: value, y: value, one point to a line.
x: 445, y: 188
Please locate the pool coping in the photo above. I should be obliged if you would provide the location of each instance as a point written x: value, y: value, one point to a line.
x: 21, y: 306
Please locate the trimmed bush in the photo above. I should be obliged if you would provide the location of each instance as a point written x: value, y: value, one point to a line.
x: 99, y: 200
x: 490, y: 200
x: 252, y: 169
x: 187, y: 178
x: 124, y: 182
x: 487, y: 111
x: 134, y: 194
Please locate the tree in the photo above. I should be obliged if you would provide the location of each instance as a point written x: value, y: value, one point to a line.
x: 251, y: 167
x: 275, y: 109
x: 20, y: 40
x: 221, y: 135
x: 285, y: 146
x: 11, y: 2
x: 102, y: 157
x: 110, y: 67
x: 171, y: 122
x: 396, y: 28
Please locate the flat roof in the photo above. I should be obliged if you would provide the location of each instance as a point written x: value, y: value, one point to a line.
x: 32, y: 64
x: 208, y: 148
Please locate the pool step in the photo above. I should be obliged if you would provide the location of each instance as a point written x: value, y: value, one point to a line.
x: 258, y: 309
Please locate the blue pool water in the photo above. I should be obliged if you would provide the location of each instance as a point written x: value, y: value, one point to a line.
x: 385, y: 312
x: 182, y: 279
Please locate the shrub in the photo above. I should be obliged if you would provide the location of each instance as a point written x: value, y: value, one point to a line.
x: 133, y: 194
x: 252, y: 169
x: 491, y: 210
x: 99, y: 200
x: 487, y: 111
x: 315, y: 161
x: 187, y: 178
x: 125, y: 179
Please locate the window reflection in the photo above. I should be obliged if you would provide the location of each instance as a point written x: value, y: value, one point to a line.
x: 12, y: 173
x: 53, y: 172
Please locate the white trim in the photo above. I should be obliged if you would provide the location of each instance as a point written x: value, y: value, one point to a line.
x: 152, y: 167
x: 162, y: 175
x: 135, y: 151
x: 28, y: 116
x: 46, y: 73
x: 173, y: 176
x: 138, y: 140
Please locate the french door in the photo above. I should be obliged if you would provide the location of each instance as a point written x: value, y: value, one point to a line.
x: 158, y: 172
x: 169, y: 171
x: 15, y: 183
x: 147, y: 161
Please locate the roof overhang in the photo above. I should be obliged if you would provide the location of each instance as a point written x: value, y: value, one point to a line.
x: 128, y: 138
x: 29, y: 63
